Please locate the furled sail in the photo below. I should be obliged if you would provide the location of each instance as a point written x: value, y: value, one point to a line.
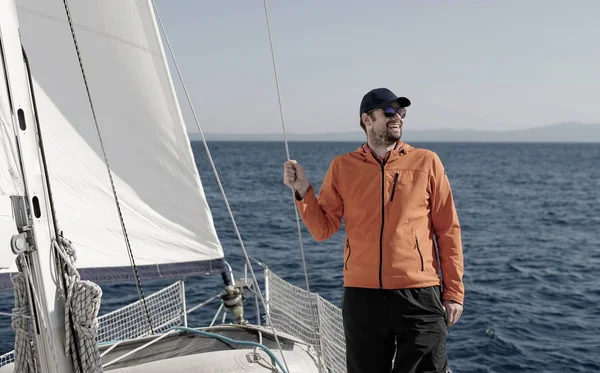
x: 162, y: 201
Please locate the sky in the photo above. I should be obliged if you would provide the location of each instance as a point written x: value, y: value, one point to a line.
x: 495, y: 64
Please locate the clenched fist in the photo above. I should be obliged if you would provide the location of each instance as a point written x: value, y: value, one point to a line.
x: 295, y: 177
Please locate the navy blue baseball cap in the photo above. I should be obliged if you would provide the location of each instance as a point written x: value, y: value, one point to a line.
x: 380, y: 98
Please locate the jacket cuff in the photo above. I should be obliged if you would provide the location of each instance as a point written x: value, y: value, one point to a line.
x: 453, y: 297
x: 298, y: 198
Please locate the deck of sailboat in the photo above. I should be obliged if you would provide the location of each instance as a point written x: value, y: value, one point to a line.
x: 227, y: 347
x: 185, y: 351
x: 188, y: 352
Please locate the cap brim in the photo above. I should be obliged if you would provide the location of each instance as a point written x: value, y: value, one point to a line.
x: 402, y: 101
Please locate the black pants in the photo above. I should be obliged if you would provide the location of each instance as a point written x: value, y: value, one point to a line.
x: 406, y: 327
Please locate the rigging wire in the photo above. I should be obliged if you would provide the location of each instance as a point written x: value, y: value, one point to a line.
x: 138, y: 282
x: 218, y: 179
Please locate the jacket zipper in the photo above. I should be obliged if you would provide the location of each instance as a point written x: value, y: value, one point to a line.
x: 419, y: 251
x: 394, y: 187
x: 349, y: 252
x: 382, y: 222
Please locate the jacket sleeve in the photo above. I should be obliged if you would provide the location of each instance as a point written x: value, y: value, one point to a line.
x: 447, y: 232
x: 323, y: 215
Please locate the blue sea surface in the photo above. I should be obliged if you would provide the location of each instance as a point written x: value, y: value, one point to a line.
x: 530, y: 216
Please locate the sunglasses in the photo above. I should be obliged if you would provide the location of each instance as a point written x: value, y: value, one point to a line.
x: 389, y: 112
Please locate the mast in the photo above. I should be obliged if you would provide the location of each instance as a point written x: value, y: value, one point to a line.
x: 47, y: 297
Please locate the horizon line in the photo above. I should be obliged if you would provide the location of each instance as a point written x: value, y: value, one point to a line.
x: 195, y: 132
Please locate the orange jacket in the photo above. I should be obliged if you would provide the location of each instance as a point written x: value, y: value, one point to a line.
x: 391, y: 213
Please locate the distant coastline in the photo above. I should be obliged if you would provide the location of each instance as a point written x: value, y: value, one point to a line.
x: 561, y: 132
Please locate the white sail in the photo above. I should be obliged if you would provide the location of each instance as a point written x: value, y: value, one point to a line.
x: 167, y: 219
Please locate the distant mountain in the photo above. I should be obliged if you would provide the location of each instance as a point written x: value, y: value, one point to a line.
x: 560, y: 132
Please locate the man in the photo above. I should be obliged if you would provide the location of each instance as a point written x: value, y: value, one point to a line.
x: 395, y: 201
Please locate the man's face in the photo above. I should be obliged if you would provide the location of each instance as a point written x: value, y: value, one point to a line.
x: 384, y: 130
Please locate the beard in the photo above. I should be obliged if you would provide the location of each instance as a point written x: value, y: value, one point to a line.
x: 385, y: 137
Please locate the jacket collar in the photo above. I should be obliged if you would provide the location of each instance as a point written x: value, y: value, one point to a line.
x: 401, y: 147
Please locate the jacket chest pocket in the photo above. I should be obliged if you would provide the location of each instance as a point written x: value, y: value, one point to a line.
x: 406, y: 187
x: 407, y: 209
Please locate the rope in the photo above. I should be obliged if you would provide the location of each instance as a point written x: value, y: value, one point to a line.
x: 316, y: 323
x: 156, y: 339
x: 85, y: 304
x: 222, y: 338
x: 82, y: 303
x: 218, y: 179
x: 287, y: 150
x: 15, y: 315
x: 233, y: 341
x: 138, y: 282
x: 34, y: 302
x: 25, y: 358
